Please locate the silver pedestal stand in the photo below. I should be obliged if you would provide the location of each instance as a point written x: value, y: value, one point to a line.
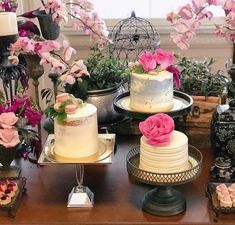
x: 80, y: 196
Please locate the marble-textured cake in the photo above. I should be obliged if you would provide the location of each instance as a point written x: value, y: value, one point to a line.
x: 151, y: 92
x: 151, y: 86
x: 162, y: 149
x: 77, y: 135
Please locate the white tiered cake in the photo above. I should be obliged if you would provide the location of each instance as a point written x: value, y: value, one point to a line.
x: 77, y: 136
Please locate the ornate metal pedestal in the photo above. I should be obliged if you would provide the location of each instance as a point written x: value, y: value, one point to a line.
x: 80, y: 196
x: 182, y: 106
x: 164, y: 200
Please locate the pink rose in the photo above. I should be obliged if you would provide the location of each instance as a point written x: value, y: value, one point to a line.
x: 7, y: 120
x: 9, y: 137
x: 157, y: 128
x: 147, y: 61
x: 165, y: 59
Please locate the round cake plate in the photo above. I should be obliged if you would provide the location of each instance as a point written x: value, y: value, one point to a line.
x: 105, y: 150
x: 182, y: 106
x: 164, y: 200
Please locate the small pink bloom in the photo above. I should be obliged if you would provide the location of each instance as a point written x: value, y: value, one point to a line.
x: 165, y: 59
x: 7, y: 120
x: 147, y: 61
x: 57, y: 106
x: 185, y: 12
x: 14, y: 59
x: 157, y: 128
x: 9, y: 137
x: 68, y: 51
x: 171, y: 17
x: 70, y: 109
x: 181, y: 27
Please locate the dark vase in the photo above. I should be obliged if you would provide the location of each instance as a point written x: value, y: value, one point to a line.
x: 7, y: 155
x: 223, y: 131
x: 50, y: 29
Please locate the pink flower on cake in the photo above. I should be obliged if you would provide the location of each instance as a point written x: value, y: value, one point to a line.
x: 164, y: 59
x: 157, y: 129
x: 154, y: 63
x: 147, y: 61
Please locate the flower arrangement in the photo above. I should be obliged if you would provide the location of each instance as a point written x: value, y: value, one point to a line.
x: 157, y: 129
x: 104, y: 72
x: 190, y: 16
x: 9, y: 5
x: 154, y: 63
x: 15, y: 120
x: 82, y: 14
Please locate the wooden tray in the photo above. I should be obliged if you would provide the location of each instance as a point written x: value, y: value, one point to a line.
x: 13, y: 205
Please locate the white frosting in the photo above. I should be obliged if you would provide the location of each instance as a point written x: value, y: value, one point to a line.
x: 80, y: 138
x: 151, y: 92
x: 169, y: 158
x: 8, y: 24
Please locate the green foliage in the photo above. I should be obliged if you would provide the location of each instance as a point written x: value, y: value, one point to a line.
x: 105, y: 72
x: 198, y: 78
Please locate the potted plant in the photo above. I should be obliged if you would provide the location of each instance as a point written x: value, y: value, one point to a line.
x: 207, y: 88
x: 104, y: 83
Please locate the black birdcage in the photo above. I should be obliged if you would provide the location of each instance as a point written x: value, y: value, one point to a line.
x: 132, y: 36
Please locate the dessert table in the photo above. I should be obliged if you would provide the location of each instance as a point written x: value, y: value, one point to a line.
x: 118, y: 197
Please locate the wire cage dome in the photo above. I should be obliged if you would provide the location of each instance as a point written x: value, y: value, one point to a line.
x: 132, y: 36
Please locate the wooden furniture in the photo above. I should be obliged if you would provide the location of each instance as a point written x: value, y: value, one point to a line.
x: 117, y: 196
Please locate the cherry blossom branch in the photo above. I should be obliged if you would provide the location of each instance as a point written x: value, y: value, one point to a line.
x: 89, y: 27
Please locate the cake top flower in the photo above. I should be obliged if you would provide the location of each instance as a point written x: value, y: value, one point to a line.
x: 154, y: 63
x: 157, y: 129
x: 65, y: 104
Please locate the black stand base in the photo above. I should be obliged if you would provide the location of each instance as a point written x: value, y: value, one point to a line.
x: 11, y: 172
x: 164, y: 201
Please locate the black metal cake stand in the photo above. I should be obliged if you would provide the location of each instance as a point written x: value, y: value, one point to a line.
x: 164, y: 200
x: 182, y: 106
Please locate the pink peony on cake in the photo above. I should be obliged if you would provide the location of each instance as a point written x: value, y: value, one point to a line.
x: 162, y: 149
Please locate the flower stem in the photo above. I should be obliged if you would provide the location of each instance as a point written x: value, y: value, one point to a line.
x: 43, y: 3
x: 55, y: 54
x: 89, y: 27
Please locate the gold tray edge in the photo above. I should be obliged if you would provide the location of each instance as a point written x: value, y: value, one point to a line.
x: 44, y: 161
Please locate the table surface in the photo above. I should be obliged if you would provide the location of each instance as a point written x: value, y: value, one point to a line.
x: 118, y: 197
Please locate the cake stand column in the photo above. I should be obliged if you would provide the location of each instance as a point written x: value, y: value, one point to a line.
x: 164, y: 201
x: 80, y: 196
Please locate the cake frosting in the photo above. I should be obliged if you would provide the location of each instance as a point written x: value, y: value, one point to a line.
x: 77, y: 136
x: 151, y: 92
x: 151, y: 85
x: 162, y: 149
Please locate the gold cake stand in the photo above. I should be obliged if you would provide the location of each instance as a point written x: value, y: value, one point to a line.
x: 164, y: 200
x: 80, y: 196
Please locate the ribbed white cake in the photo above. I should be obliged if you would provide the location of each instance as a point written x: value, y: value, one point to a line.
x: 151, y: 92
x: 77, y: 136
x: 169, y: 158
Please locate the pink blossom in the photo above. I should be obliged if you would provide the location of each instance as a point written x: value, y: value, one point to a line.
x: 79, y: 69
x: 147, y: 61
x: 68, y: 51
x: 165, y: 59
x: 157, y: 129
x: 198, y: 10
x: 57, y: 66
x: 9, y: 137
x: 171, y: 17
x: 14, y: 59
x: 7, y: 120
x: 185, y: 12
x: 68, y: 79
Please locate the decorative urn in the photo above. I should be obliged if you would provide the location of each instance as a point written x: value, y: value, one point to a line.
x: 223, y: 131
